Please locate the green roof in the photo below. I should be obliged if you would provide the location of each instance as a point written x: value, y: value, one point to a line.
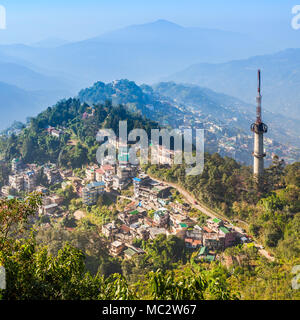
x: 202, y: 251
x: 134, y: 212
x: 183, y: 225
x: 123, y: 157
x: 216, y: 220
x: 209, y: 257
x: 130, y: 252
x: 225, y: 230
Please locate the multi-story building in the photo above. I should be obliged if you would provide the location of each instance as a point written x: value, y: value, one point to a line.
x: 214, y: 224
x: 52, y: 174
x: 16, y: 165
x: 195, y: 233
x: 30, y: 178
x: 116, y: 248
x: 91, y: 192
x: 16, y: 182
x: 99, y: 175
x: 5, y: 191
x: 109, y: 229
x: 91, y: 173
x: 138, y: 182
x: 49, y: 209
x: 213, y: 241
x: 161, y: 217
x: 129, y: 217
x: 230, y: 238
x: 108, y: 170
x: 123, y: 177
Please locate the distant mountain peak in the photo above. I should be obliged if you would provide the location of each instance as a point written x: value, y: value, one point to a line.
x: 50, y: 42
x: 160, y: 24
x: 164, y: 22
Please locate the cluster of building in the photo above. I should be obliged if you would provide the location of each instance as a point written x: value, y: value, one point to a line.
x: 54, y: 132
x: 51, y: 205
x: 27, y: 177
x: 152, y: 211
x: 23, y: 178
x: 106, y: 177
x: 167, y: 217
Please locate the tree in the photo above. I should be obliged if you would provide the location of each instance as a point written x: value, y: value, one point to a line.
x: 189, y: 285
x: 14, y: 215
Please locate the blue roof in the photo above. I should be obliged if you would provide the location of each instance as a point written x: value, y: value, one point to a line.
x: 96, y: 184
x: 137, y: 179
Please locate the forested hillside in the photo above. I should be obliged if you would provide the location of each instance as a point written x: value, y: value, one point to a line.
x: 56, y: 263
x: 34, y: 144
x: 271, y: 213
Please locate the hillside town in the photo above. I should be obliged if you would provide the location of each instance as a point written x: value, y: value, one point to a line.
x: 151, y: 209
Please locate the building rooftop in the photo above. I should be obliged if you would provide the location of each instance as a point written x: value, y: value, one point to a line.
x: 107, y: 167
x: 130, y: 252
x: 202, y: 251
x: 209, y: 257
x: 117, y: 244
x: 96, y: 184
x: 216, y: 220
x: 183, y: 225
x: 135, y: 212
x: 52, y: 205
x: 206, y: 229
x: 224, y: 230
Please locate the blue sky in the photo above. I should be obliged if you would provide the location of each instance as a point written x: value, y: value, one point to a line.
x: 33, y: 20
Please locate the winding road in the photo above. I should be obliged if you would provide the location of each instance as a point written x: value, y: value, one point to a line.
x: 210, y: 213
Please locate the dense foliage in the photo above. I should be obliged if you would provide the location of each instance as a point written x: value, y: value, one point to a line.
x: 77, y: 145
x: 271, y: 212
x: 33, y: 273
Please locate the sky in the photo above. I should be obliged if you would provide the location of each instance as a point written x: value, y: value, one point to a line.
x: 30, y: 21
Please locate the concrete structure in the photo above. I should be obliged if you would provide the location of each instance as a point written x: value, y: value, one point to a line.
x: 109, y: 229
x: 99, y: 175
x: 90, y: 173
x: 161, y: 217
x: 49, y: 209
x: 116, y: 248
x: 154, y: 232
x: 129, y: 217
x: 30, y: 181
x: 213, y: 241
x: 52, y: 174
x: 16, y: 182
x: 16, y: 165
x: 91, y: 192
x: 258, y: 128
x: 230, y: 238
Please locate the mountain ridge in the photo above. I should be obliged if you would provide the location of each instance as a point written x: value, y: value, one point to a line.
x: 280, y: 79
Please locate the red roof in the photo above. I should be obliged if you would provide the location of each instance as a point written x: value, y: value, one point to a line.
x: 196, y: 242
x: 125, y: 228
x: 207, y: 229
x: 107, y: 167
x: 188, y: 240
